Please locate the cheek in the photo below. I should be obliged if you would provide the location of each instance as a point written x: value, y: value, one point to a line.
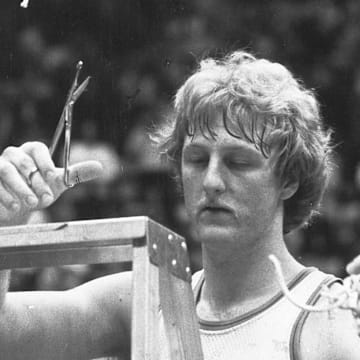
x: 191, y: 190
x: 260, y: 193
x: 268, y: 197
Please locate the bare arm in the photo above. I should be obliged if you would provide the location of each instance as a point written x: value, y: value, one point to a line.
x: 81, y: 323
x: 22, y: 193
x: 86, y: 322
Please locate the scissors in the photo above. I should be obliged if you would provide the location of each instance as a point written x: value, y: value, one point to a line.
x: 66, y: 121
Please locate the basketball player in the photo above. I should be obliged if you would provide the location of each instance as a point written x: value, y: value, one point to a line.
x: 253, y: 159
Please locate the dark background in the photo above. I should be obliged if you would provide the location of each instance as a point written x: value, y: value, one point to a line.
x: 138, y: 53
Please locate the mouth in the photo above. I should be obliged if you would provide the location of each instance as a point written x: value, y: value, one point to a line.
x: 214, y: 208
x: 215, y: 211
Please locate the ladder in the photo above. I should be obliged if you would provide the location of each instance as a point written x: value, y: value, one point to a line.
x: 161, y: 272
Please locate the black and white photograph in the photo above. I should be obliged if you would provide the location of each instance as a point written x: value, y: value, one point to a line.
x: 179, y: 180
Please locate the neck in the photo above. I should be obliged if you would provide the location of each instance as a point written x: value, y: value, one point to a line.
x: 244, y: 274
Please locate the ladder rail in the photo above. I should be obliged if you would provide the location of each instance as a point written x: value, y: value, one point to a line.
x: 161, y: 272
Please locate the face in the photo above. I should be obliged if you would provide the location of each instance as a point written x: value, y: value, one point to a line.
x: 231, y: 192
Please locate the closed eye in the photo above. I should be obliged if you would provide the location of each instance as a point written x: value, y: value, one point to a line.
x: 237, y: 163
x: 197, y: 160
x: 195, y: 157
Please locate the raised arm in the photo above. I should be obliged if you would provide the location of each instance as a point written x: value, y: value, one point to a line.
x: 30, y: 181
x: 82, y: 323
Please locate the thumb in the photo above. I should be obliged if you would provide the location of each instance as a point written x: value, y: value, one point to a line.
x: 78, y: 173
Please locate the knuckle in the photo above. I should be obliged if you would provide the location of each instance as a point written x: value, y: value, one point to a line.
x: 59, y: 181
x: 10, y: 151
x: 34, y: 146
x: 40, y: 146
x: 5, y: 168
x: 24, y: 165
x: 18, y: 158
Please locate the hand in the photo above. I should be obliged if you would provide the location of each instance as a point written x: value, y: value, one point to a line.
x: 353, y: 267
x: 353, y: 282
x: 21, y: 193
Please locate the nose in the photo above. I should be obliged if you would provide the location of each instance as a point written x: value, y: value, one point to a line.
x: 213, y: 181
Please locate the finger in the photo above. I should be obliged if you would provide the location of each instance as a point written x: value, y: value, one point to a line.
x: 354, y: 266
x: 8, y: 200
x: 15, y: 183
x: 78, y: 173
x: 27, y: 167
x: 40, y: 154
x: 21, y: 160
x: 42, y: 190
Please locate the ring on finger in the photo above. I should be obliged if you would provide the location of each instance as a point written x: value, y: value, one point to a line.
x: 30, y: 176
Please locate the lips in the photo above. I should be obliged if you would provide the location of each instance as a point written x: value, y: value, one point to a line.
x: 215, y: 209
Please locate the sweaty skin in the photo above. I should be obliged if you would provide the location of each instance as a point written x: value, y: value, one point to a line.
x: 230, y: 189
x: 235, y: 203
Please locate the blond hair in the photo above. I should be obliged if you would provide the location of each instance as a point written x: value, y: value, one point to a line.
x: 262, y: 102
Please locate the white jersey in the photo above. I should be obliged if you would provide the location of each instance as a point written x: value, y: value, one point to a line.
x: 272, y: 331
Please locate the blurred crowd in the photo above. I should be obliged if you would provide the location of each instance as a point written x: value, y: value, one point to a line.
x: 138, y: 52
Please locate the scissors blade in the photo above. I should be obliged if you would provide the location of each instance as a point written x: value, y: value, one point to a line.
x: 73, y: 95
x: 57, y: 133
x: 80, y: 89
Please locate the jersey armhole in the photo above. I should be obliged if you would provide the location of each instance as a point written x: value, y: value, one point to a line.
x: 300, y: 321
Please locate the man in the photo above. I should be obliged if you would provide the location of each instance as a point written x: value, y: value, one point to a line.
x: 253, y: 160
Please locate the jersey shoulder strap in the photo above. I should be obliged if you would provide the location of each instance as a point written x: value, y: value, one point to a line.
x: 295, y: 337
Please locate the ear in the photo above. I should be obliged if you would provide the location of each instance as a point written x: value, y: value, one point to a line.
x: 289, y: 189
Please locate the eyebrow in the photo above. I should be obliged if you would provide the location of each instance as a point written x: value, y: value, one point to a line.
x: 227, y: 147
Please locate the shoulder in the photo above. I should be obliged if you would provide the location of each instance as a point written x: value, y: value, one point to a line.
x: 330, y: 335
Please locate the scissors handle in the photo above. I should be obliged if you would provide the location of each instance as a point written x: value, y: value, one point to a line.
x: 68, y: 117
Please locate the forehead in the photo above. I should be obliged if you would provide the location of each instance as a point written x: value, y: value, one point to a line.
x: 218, y: 138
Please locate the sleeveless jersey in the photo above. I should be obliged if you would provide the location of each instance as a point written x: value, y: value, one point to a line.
x: 272, y: 331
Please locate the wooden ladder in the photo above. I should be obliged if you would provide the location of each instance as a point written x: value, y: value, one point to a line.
x: 161, y: 273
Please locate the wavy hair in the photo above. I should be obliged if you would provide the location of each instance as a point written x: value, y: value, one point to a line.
x: 262, y: 102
